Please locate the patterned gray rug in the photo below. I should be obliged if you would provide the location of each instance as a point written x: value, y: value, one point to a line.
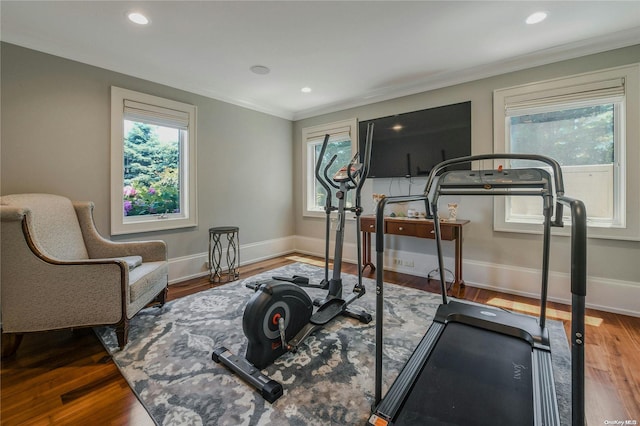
x: 328, y: 381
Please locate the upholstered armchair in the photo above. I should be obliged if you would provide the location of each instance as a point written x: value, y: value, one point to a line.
x: 57, y: 271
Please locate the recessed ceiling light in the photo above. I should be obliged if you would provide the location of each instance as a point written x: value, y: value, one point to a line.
x: 536, y: 17
x: 306, y: 90
x: 260, y: 69
x: 138, y: 18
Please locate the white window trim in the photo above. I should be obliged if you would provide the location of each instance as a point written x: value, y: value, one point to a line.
x: 308, y: 169
x: 188, y: 216
x: 630, y: 187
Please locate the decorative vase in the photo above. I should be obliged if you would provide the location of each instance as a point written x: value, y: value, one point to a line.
x: 376, y: 200
x: 453, y: 211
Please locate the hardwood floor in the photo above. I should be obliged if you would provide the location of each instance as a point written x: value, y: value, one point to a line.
x: 66, y: 377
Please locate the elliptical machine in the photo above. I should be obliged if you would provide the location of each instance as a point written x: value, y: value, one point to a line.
x: 280, y: 315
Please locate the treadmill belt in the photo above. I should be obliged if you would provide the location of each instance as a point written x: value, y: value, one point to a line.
x: 472, y: 377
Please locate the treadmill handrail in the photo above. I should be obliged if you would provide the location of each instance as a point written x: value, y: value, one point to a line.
x: 578, y: 295
x: 558, y: 181
x: 578, y: 244
x: 380, y: 282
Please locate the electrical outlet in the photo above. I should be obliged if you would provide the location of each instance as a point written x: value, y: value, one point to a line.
x: 397, y: 261
x: 206, y: 265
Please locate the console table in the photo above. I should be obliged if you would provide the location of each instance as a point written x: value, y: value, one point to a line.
x: 420, y: 228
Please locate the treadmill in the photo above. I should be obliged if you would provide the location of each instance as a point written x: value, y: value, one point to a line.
x: 476, y: 364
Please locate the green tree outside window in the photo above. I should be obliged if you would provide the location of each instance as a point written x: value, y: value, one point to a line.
x: 342, y: 149
x: 151, y: 169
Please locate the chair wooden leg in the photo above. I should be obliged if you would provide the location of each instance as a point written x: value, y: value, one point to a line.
x: 10, y: 343
x: 161, y: 298
x: 122, y: 333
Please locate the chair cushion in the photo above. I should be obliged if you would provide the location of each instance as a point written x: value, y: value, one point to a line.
x: 53, y: 224
x: 147, y: 277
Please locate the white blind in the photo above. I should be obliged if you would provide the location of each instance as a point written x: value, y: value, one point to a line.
x: 596, y: 90
x: 337, y: 134
x: 151, y: 114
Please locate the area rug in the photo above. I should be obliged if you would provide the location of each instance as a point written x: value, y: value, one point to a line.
x: 330, y: 380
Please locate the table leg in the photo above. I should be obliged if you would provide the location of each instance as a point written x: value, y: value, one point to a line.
x: 458, y: 281
x: 233, y: 256
x: 366, y: 251
x: 215, y: 258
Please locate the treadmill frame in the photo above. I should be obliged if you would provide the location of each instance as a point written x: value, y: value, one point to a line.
x: 494, y: 183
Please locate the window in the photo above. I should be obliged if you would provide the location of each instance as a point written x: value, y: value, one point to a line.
x: 581, y: 122
x: 343, y: 143
x: 152, y: 163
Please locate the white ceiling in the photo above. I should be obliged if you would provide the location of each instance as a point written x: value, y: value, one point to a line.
x: 349, y: 52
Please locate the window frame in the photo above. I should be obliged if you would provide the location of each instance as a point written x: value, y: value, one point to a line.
x: 310, y: 135
x: 626, y: 185
x: 188, y: 216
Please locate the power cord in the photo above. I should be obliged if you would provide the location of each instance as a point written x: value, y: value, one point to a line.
x: 434, y: 272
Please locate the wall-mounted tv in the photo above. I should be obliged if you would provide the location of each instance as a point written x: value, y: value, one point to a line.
x: 411, y: 144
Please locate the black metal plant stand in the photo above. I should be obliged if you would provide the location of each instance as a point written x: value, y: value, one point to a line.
x: 216, y: 271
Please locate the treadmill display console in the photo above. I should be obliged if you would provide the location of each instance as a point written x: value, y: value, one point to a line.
x: 488, y: 179
x: 481, y: 177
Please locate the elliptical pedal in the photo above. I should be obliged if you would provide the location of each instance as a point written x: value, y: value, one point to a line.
x: 303, y: 281
x: 296, y: 279
x: 328, y: 311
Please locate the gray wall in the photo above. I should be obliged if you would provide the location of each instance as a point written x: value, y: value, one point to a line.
x: 55, y: 139
x: 616, y: 260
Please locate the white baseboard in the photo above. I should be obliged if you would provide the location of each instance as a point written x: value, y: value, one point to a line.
x: 194, y: 266
x: 621, y: 297
x: 187, y: 267
x: 604, y: 294
x: 316, y: 247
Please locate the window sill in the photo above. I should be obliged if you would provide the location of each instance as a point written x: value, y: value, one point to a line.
x: 152, y: 225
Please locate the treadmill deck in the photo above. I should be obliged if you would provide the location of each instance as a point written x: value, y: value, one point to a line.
x: 475, y: 377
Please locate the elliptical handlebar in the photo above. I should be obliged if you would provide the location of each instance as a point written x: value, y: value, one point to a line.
x: 366, y: 161
x: 352, y: 178
x: 323, y: 182
x: 326, y: 172
x: 357, y: 181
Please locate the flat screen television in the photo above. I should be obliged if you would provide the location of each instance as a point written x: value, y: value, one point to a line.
x: 411, y: 144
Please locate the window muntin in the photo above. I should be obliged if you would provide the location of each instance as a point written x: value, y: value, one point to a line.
x: 153, y: 176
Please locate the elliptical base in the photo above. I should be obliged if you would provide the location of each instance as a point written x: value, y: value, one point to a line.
x: 270, y: 389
